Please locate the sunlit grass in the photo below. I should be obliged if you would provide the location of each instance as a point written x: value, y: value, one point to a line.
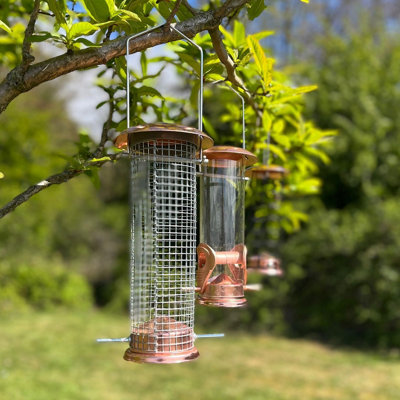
x: 54, y: 356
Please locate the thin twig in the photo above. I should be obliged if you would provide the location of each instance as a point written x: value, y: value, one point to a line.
x: 105, y: 130
x: 173, y: 12
x: 232, y: 76
x: 27, y: 57
x: 193, y: 10
x: 55, y: 179
x: 68, y: 173
x: 229, y: 6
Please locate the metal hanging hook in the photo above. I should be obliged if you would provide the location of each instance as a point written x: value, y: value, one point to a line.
x: 173, y: 27
x: 243, y: 109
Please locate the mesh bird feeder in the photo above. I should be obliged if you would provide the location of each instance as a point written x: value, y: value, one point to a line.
x: 164, y: 159
x: 163, y: 262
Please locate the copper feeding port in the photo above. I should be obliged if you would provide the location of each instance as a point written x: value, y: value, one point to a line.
x: 221, y: 290
x: 265, y: 264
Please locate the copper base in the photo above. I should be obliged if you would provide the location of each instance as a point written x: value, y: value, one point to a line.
x: 222, y: 302
x: 265, y: 264
x: 222, y: 291
x: 162, y: 340
x: 161, y: 358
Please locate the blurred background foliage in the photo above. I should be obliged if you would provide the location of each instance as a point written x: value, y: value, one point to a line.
x: 342, y: 281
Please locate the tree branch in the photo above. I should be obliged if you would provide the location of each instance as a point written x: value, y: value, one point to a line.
x: 69, y: 172
x: 33, y: 75
x: 230, y: 6
x: 223, y: 55
x: 55, y: 179
x: 27, y: 57
x: 173, y: 12
x: 193, y: 10
x: 44, y: 71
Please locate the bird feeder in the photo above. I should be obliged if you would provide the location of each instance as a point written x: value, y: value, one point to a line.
x: 164, y: 159
x: 265, y: 263
x: 221, y: 273
x: 163, y: 261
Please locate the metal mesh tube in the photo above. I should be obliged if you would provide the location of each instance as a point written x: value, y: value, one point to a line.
x: 164, y: 246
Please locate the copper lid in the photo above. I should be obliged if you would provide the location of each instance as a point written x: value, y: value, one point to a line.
x: 231, y: 153
x: 274, y: 172
x: 160, y: 130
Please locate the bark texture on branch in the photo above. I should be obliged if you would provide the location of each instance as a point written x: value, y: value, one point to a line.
x: 54, y: 67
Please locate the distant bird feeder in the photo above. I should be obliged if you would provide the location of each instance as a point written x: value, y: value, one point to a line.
x: 265, y: 263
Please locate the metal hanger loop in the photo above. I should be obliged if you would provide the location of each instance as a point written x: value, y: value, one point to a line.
x: 201, y: 90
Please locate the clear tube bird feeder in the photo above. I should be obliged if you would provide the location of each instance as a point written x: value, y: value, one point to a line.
x: 221, y: 273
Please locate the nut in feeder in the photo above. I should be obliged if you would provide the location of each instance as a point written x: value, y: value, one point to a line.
x: 163, y: 244
x: 221, y: 273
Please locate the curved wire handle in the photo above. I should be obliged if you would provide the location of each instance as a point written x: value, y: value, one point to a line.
x: 173, y: 27
x: 243, y: 109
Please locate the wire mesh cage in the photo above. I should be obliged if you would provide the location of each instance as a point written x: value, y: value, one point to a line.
x: 221, y: 274
x: 163, y: 259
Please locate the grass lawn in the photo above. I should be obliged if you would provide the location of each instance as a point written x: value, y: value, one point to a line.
x: 54, y: 356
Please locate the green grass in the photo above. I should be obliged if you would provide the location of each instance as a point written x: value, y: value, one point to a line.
x: 54, y: 356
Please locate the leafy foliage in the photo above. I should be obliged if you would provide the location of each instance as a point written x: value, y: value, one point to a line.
x: 347, y: 285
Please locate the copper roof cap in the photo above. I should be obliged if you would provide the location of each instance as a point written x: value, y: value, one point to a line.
x: 274, y: 172
x: 231, y: 153
x: 160, y: 130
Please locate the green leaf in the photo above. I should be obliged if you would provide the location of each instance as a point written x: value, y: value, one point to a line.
x: 255, y: 9
x: 149, y: 91
x: 132, y: 16
x: 277, y: 151
x: 263, y: 63
x: 81, y: 28
x: 5, y: 27
x: 266, y: 121
x: 262, y: 35
x: 191, y: 61
x: 228, y: 36
x: 1, y: 175
x: 305, y: 1
x: 93, y: 174
x: 40, y: 37
x: 143, y: 62
x: 105, y: 158
x: 87, y: 42
x: 112, y: 9
x: 239, y: 33
x: 58, y: 8
x: 98, y: 10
